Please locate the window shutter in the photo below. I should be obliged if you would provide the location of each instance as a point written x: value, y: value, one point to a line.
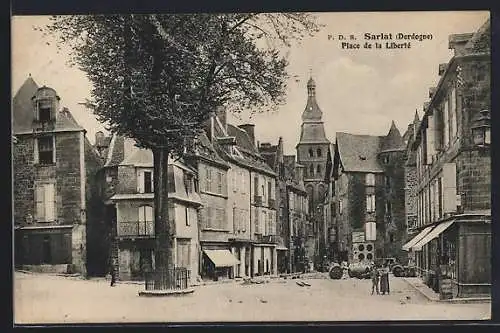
x: 449, y: 188
x: 141, y: 214
x: 430, y: 141
x: 50, y: 198
x: 152, y: 182
x: 35, y: 151
x: 140, y: 181
x: 257, y: 226
x: 54, y: 149
x: 39, y: 199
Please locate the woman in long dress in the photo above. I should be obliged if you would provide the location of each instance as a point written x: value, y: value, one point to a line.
x: 384, y: 280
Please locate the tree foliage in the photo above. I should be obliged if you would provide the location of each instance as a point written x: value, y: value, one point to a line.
x: 156, y: 78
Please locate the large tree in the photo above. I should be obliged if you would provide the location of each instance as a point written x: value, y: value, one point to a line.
x: 156, y: 78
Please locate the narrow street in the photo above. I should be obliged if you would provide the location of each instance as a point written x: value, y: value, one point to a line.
x: 53, y: 299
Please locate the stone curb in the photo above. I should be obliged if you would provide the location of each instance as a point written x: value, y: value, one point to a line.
x: 449, y: 301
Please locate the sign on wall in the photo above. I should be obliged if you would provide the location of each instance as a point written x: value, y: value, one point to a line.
x: 358, y: 236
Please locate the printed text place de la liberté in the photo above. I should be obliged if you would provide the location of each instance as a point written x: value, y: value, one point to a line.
x: 381, y: 40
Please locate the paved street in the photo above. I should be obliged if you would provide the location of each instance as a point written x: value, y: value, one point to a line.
x: 54, y: 299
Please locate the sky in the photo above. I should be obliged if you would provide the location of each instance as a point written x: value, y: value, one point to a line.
x: 360, y: 91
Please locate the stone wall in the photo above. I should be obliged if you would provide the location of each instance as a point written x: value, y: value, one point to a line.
x: 24, y: 177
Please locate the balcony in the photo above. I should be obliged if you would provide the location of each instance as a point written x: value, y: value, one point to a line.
x: 269, y: 239
x: 257, y: 199
x: 136, y: 229
x: 271, y: 203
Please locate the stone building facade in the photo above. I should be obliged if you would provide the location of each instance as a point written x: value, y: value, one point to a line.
x: 312, y: 150
x: 369, y: 198
x: 56, y: 218
x: 127, y: 190
x: 294, y: 230
x: 452, y: 149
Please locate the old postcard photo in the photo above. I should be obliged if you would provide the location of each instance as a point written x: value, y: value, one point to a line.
x: 251, y: 167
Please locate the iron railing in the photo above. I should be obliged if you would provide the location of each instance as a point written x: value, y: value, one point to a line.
x: 135, y: 228
x: 167, y: 279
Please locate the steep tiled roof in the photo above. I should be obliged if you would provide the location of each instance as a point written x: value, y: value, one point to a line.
x: 270, y: 155
x: 134, y: 155
x: 116, y: 151
x: 393, y: 141
x: 23, y: 114
x: 207, y: 150
x: 358, y: 153
x: 313, y: 133
x: 242, y: 138
x: 22, y: 108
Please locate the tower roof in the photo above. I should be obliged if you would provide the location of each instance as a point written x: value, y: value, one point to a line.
x: 312, y: 130
x: 312, y: 112
x: 393, y: 141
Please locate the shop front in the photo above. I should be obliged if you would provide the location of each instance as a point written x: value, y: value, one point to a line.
x: 453, y: 256
x: 217, y: 264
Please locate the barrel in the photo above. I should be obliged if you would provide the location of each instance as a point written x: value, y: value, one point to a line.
x: 336, y: 272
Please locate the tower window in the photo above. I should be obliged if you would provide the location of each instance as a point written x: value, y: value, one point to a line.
x: 318, y: 152
x: 311, y: 170
x: 45, y: 150
x: 44, y: 109
x: 318, y: 169
x: 311, y: 153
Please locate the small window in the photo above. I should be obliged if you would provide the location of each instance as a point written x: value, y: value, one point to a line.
x: 369, y: 256
x: 311, y: 153
x: 318, y: 169
x: 369, y: 247
x: 386, y: 159
x: 311, y: 170
x: 361, y: 247
x: 318, y: 152
x: 148, y: 182
x: 361, y: 256
x: 46, y: 150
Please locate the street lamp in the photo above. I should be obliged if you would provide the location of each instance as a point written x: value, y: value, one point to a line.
x: 481, y: 131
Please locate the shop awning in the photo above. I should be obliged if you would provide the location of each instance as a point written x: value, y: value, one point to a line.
x: 417, y: 238
x: 431, y: 235
x: 221, y: 258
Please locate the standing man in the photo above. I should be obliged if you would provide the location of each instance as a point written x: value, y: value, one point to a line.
x: 375, y: 278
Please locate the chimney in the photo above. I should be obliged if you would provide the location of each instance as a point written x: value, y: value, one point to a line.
x: 249, y: 128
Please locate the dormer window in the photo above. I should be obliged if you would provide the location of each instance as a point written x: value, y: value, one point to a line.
x: 45, y: 104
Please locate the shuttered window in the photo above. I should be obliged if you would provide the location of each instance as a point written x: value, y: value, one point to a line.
x: 44, y: 150
x: 449, y: 188
x: 45, y: 202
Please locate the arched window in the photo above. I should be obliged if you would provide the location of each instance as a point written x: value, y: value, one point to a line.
x: 318, y: 152
x: 311, y: 153
x: 311, y: 170
x: 318, y: 169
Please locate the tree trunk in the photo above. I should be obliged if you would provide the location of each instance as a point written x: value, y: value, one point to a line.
x: 163, y: 228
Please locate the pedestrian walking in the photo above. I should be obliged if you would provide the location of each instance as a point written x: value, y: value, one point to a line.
x: 112, y: 271
x: 384, y: 280
x: 375, y: 279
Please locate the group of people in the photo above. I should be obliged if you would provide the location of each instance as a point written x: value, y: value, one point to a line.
x: 380, y: 279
